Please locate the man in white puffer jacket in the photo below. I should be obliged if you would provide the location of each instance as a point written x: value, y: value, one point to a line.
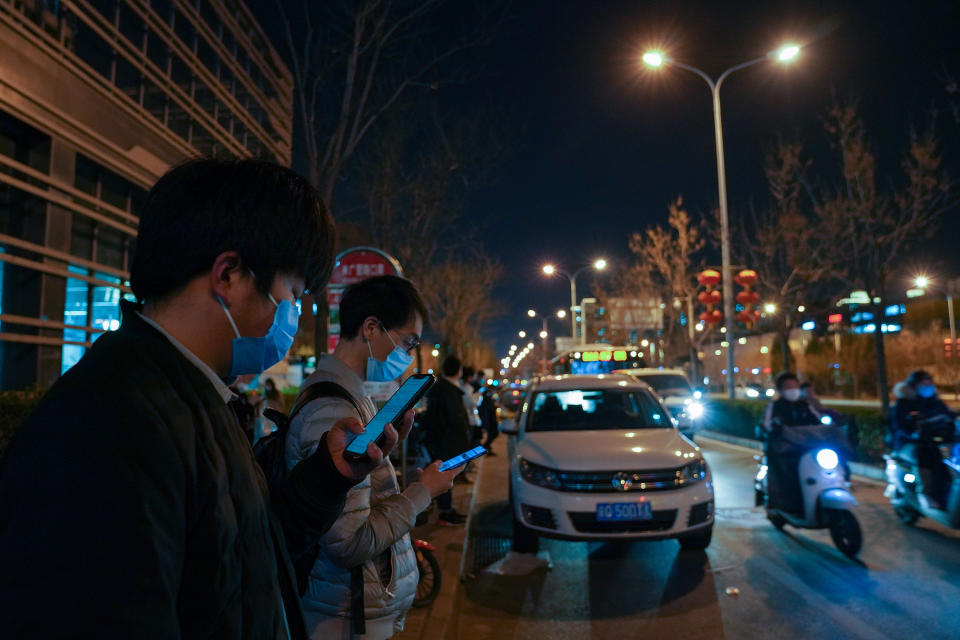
x: 381, y: 320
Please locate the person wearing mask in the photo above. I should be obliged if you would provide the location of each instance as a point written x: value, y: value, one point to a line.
x: 381, y: 321
x: 145, y: 514
x: 790, y: 409
x: 919, y: 413
x: 449, y: 429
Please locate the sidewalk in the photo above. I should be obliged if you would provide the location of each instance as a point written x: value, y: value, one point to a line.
x: 431, y: 622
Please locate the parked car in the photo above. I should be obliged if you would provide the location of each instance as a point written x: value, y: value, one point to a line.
x: 684, y: 402
x: 753, y: 391
x: 599, y: 458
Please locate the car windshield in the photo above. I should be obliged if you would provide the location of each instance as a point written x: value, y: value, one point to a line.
x: 588, y: 409
x: 666, y: 383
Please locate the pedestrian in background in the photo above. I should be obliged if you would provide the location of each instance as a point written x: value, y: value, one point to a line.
x: 488, y: 417
x: 271, y: 396
x: 465, y: 382
x: 449, y: 429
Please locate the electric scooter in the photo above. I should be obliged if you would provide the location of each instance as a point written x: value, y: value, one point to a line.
x: 827, y: 501
x: 903, y: 480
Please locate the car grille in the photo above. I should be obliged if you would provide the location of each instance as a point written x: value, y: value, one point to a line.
x: 586, y: 522
x: 700, y: 513
x: 603, y: 481
x: 539, y: 517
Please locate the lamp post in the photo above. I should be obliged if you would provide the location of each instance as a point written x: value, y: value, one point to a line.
x: 657, y: 59
x: 550, y: 269
x: 923, y: 282
x: 544, y: 334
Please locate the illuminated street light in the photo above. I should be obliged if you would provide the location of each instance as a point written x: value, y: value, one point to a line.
x: 562, y: 314
x: 787, y: 52
x: 543, y: 335
x: 657, y: 59
x: 435, y: 353
x: 522, y: 334
x: 531, y: 313
x: 549, y: 269
x: 530, y: 346
x: 801, y: 308
x: 770, y: 308
x: 921, y: 282
x: 653, y: 58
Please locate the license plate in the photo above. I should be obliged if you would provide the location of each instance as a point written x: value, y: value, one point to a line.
x: 624, y: 511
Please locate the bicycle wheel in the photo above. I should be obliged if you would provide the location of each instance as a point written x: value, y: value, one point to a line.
x: 428, y: 587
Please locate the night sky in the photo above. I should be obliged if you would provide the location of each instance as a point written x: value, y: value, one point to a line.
x: 602, y: 145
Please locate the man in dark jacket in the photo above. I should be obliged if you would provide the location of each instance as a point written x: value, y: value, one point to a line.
x: 919, y: 415
x: 790, y: 409
x: 450, y: 432
x: 131, y: 505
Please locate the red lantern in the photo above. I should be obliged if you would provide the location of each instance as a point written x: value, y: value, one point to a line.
x: 716, y: 316
x: 705, y: 317
x: 747, y: 278
x: 747, y: 298
x: 709, y: 278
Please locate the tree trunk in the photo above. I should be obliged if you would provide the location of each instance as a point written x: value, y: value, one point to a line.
x: 785, y: 349
x: 879, y: 347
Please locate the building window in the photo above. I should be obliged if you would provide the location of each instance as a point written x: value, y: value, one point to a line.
x: 74, y: 313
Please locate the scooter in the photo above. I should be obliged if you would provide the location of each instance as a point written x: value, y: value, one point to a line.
x: 827, y: 500
x: 902, y: 481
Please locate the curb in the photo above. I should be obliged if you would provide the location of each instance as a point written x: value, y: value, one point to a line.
x: 863, y: 471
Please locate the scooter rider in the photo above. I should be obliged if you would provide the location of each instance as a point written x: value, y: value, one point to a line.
x: 790, y: 409
x: 916, y: 415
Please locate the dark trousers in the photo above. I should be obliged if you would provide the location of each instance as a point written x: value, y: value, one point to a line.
x: 783, y: 482
x: 445, y: 501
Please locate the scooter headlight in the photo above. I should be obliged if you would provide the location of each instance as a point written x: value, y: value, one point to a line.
x: 695, y: 410
x: 827, y: 459
x: 827, y: 420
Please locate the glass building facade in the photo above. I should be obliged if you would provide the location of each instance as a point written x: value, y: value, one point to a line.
x: 98, y: 98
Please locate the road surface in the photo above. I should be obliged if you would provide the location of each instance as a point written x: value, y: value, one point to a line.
x: 752, y: 582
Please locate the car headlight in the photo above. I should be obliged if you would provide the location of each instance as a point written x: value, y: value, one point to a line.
x: 540, y: 476
x: 695, y: 409
x: 770, y: 393
x: 753, y: 393
x: 828, y: 459
x: 695, y: 471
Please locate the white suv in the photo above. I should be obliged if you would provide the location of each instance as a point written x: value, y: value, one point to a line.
x: 684, y: 403
x: 599, y: 458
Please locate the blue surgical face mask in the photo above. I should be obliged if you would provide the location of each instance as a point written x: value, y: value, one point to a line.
x: 256, y: 355
x: 926, y: 390
x: 390, y: 369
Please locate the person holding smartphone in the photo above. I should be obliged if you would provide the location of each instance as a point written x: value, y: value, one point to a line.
x: 381, y: 320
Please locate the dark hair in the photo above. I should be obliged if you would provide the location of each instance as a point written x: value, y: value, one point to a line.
x: 267, y: 213
x: 916, y: 377
x: 451, y: 366
x: 806, y: 385
x: 469, y: 372
x: 783, y: 377
x: 390, y: 299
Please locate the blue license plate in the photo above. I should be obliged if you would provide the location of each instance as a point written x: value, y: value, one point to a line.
x: 624, y: 511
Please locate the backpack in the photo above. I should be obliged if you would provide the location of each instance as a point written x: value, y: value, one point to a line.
x: 269, y: 450
x: 269, y: 453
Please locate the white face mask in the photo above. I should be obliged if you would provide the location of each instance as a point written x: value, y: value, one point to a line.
x: 792, y: 395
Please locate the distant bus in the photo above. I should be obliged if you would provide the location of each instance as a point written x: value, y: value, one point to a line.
x: 597, y: 358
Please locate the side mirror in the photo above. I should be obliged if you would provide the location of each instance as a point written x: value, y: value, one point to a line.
x: 509, y: 427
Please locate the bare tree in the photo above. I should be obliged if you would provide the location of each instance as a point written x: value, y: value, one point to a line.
x: 353, y: 61
x: 869, y: 227
x: 459, y: 296
x: 667, y: 260
x: 782, y: 243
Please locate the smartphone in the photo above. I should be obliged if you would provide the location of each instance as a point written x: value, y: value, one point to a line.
x: 463, y: 458
x: 408, y: 395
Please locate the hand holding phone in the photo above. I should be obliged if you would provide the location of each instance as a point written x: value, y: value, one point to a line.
x: 405, y: 398
x: 463, y: 458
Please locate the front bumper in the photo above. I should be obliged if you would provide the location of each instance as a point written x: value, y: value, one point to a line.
x: 572, y: 515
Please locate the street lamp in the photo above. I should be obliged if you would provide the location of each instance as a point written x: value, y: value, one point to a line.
x: 550, y: 269
x: 657, y: 59
x: 522, y: 334
x: 770, y: 308
x: 562, y: 313
x: 531, y: 313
